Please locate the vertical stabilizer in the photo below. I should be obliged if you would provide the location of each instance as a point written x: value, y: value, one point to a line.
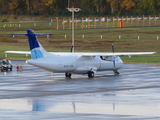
x: 37, y: 51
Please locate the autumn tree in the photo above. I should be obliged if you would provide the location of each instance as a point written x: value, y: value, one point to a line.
x: 115, y: 5
x: 14, y: 5
x: 4, y: 5
x: 86, y: 5
x: 127, y: 4
x: 91, y: 7
x: 147, y: 5
x: 50, y: 6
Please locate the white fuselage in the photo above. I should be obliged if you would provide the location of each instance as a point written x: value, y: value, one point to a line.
x: 76, y: 64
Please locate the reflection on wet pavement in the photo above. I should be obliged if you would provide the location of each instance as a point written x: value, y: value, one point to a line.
x: 37, y: 94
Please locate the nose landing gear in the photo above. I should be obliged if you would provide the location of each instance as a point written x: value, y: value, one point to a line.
x: 116, y: 72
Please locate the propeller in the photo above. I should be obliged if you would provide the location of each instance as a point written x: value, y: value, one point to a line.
x: 114, y: 64
x: 72, y: 48
x: 113, y: 48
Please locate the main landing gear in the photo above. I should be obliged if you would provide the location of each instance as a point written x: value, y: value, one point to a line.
x: 91, y: 74
x: 116, y: 72
x: 68, y: 75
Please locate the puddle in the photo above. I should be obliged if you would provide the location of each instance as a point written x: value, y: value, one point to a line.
x: 80, y: 107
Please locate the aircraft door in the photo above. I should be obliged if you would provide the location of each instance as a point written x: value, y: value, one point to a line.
x: 91, y: 61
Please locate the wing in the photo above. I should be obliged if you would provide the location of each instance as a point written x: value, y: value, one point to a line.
x: 87, y: 54
x: 103, y: 54
x: 121, y: 54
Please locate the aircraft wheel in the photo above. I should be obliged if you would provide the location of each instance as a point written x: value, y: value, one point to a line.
x: 91, y: 74
x: 116, y: 72
x: 68, y: 75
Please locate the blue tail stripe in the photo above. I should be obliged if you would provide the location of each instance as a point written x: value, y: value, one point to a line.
x: 37, y: 51
x: 36, y: 54
x: 32, y: 39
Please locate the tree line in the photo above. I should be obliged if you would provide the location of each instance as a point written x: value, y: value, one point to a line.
x: 88, y: 7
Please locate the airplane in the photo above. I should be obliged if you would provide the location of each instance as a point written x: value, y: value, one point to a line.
x: 72, y: 62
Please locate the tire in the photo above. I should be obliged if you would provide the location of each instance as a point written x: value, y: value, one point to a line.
x: 11, y: 69
x: 68, y: 75
x: 91, y: 74
x: 6, y: 68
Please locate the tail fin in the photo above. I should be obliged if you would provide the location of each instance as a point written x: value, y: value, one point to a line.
x: 37, y: 51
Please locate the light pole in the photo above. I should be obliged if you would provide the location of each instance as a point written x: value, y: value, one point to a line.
x: 68, y: 3
x: 73, y: 10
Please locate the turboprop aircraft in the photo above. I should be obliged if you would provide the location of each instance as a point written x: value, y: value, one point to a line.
x: 71, y: 62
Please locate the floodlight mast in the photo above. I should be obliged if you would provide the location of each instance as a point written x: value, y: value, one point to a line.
x: 68, y: 3
x: 73, y: 10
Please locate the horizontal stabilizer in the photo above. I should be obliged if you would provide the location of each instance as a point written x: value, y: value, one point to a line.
x: 19, y: 52
x: 36, y: 49
x: 18, y: 34
x: 32, y: 34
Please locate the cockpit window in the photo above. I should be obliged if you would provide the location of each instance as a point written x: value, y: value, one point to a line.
x: 107, y: 58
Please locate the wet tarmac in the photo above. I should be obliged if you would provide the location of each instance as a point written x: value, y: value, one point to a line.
x: 35, y: 94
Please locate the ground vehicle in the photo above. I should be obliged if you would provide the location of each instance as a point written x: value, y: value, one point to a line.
x: 5, y: 65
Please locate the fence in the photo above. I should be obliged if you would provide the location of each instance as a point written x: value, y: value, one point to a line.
x: 93, y: 23
x: 109, y: 22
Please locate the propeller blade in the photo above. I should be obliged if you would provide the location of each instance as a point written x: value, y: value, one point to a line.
x: 114, y: 64
x: 113, y: 48
x: 72, y: 48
